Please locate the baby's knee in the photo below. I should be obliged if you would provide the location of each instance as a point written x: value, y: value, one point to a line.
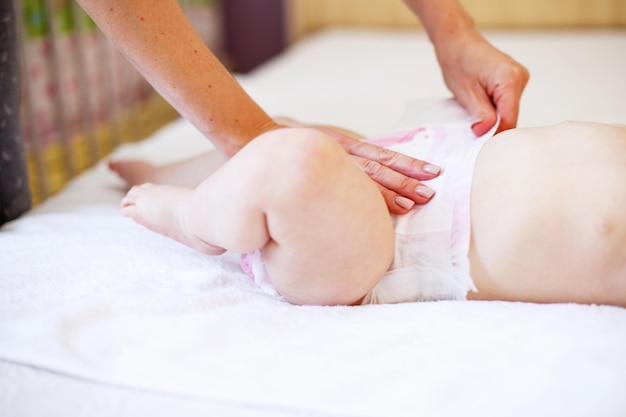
x: 303, y: 159
x: 300, y: 144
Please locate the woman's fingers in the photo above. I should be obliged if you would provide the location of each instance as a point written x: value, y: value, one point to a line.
x: 501, y: 93
x: 398, y: 176
x: 396, y: 162
x: 507, y: 95
x: 400, y: 191
x: 479, y: 105
x: 484, y: 80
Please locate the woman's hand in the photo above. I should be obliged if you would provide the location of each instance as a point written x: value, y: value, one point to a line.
x: 398, y: 176
x: 483, y: 79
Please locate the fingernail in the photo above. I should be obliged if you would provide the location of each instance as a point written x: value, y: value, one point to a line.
x: 424, y: 191
x: 432, y: 169
x: 404, y: 202
x: 476, y: 123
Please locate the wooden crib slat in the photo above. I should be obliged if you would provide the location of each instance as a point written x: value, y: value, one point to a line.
x: 87, y: 122
x: 80, y: 97
x: 30, y: 132
x: 59, y: 110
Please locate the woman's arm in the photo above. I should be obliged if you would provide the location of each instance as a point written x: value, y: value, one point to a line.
x: 157, y: 37
x: 482, y: 78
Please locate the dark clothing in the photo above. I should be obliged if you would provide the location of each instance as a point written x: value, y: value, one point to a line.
x: 15, y: 196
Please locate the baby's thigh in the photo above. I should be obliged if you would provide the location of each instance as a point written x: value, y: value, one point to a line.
x: 331, y: 234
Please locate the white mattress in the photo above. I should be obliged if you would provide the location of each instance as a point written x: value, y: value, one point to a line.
x: 100, y: 317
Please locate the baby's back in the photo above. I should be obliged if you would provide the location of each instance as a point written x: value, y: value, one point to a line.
x: 548, y: 217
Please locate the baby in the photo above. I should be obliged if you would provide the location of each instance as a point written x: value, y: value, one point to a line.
x: 533, y: 215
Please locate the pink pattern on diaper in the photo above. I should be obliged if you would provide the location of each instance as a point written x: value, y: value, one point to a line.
x: 246, y: 263
x: 457, y: 162
x: 395, y: 138
x: 435, y: 135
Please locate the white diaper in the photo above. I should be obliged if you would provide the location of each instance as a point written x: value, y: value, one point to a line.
x: 432, y: 240
x: 252, y: 264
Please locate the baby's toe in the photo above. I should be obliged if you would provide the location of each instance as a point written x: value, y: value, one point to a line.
x: 134, y: 193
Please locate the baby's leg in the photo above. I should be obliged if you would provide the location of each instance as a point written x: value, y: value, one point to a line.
x: 162, y: 209
x: 192, y: 171
x: 186, y: 173
x: 328, y: 129
x: 321, y: 224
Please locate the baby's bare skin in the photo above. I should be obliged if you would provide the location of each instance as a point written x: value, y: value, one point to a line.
x: 162, y: 209
x: 188, y: 173
x: 547, y: 218
x: 283, y: 194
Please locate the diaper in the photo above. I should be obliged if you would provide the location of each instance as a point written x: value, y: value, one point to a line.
x: 253, y: 265
x: 432, y: 240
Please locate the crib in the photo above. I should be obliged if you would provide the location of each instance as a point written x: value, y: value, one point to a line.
x: 81, y: 98
x: 99, y: 316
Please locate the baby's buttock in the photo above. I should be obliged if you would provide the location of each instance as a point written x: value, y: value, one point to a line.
x: 547, y: 205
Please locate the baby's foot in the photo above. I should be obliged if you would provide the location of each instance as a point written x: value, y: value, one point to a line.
x: 134, y: 172
x: 161, y: 208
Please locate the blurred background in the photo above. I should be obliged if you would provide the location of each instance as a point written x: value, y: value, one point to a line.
x: 80, y: 98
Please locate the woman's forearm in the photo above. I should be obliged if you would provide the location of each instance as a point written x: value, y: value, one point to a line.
x: 483, y: 79
x: 444, y: 20
x: 157, y: 37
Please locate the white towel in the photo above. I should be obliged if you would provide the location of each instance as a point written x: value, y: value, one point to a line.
x: 86, y: 292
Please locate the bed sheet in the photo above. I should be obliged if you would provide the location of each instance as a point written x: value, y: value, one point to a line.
x: 99, y: 316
